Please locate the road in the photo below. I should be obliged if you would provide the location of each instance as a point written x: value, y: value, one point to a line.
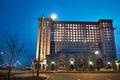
x: 83, y: 76
x: 74, y: 76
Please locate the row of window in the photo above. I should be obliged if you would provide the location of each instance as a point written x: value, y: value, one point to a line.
x: 109, y: 51
x: 45, y: 23
x: 81, y: 32
x: 107, y: 29
x: 73, y: 40
x: 73, y: 37
x: 108, y: 39
x: 88, y: 26
x: 74, y: 46
x: 77, y: 37
x: 75, y: 28
x: 106, y: 24
x: 75, y: 34
x: 75, y: 25
x: 81, y: 49
x: 87, y: 44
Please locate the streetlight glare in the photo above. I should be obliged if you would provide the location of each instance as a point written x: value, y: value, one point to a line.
x: 71, y: 62
x: 90, y: 63
x: 53, y: 16
x: 2, y: 53
x: 53, y: 62
x: 96, y: 52
x: 108, y: 62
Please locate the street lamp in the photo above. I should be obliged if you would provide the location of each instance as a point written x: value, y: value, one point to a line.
x: 90, y: 63
x: 52, y: 65
x: 1, y: 53
x: 71, y: 62
x: 53, y: 62
x: 108, y: 63
x: 96, y: 52
x: 53, y: 16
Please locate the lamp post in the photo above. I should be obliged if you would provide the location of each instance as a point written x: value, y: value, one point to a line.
x: 72, y: 65
x: 52, y: 65
x: 95, y: 54
x: 1, y: 53
x: 109, y: 64
x: 90, y: 65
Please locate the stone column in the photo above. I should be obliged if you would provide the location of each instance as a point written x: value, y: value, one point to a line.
x: 41, y: 68
x: 117, y: 67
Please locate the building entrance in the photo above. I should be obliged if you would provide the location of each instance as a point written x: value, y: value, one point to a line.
x: 62, y: 64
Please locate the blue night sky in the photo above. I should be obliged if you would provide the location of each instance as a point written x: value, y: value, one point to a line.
x: 21, y: 16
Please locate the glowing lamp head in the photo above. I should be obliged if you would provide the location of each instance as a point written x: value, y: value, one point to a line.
x: 1, y: 53
x: 96, y: 52
x: 53, y: 16
x: 71, y: 62
x: 90, y: 63
x: 108, y: 63
x: 53, y: 62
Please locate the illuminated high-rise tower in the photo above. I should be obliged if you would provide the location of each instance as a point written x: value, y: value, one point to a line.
x: 75, y: 45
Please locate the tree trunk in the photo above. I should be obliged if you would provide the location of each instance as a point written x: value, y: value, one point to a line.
x: 9, y: 72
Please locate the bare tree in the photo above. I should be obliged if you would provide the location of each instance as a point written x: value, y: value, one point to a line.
x: 12, y: 48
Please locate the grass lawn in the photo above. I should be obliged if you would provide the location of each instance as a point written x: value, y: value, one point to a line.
x: 3, y: 74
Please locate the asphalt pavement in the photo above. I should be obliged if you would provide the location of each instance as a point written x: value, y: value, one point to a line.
x: 83, y: 76
x: 75, y: 76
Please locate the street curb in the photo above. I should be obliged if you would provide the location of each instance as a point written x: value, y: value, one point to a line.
x: 84, y: 72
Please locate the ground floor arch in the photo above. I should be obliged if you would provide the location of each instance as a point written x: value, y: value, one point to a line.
x: 81, y: 63
x: 52, y: 66
x: 71, y: 63
x: 99, y: 64
x: 62, y: 64
x: 76, y: 62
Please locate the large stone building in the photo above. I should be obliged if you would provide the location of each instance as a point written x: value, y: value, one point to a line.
x: 75, y: 45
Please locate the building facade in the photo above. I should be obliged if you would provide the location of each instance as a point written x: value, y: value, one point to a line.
x: 75, y: 45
